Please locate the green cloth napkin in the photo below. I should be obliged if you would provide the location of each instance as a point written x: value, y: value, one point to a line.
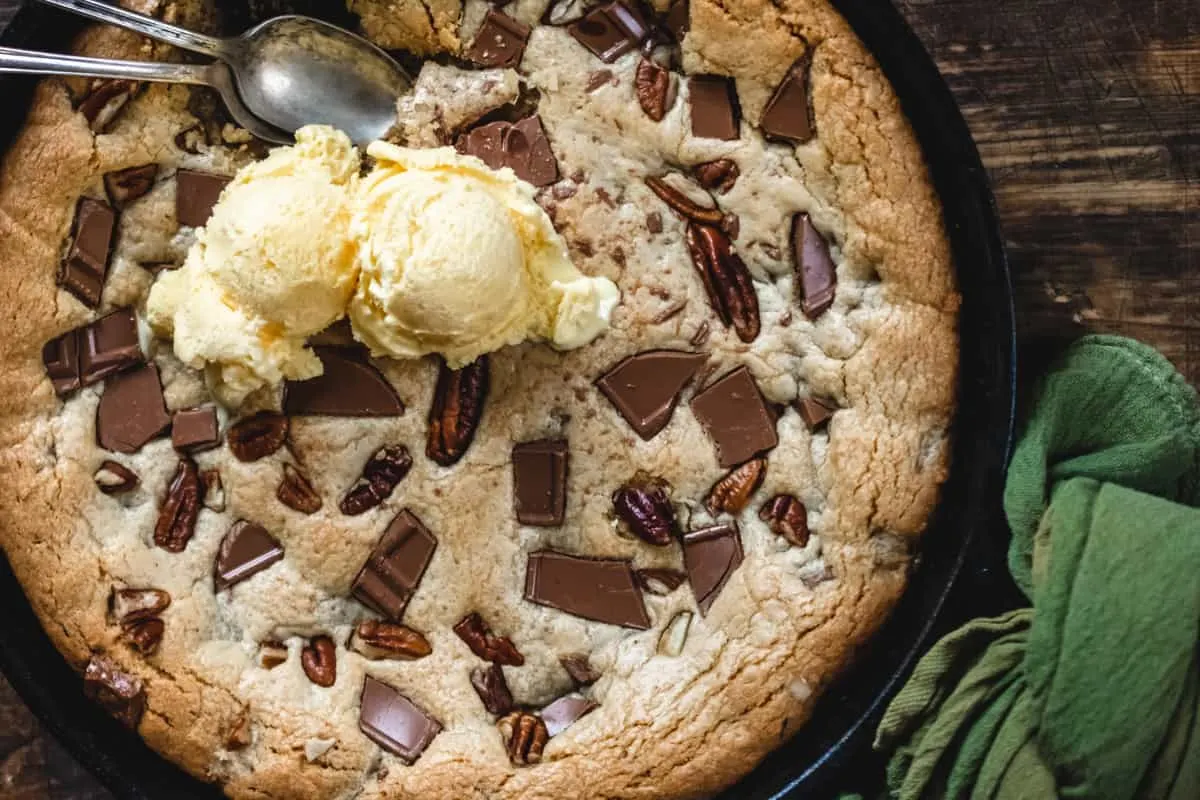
x: 1092, y: 692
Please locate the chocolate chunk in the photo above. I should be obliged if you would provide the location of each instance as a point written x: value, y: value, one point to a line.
x: 713, y: 101
x: 104, y: 101
x: 394, y: 722
x: 131, y: 410
x: 500, y: 41
x: 61, y: 357
x: 736, y: 417
x: 678, y: 19
x: 565, y: 711
x: 600, y: 77
x: 521, y: 146
x: 109, y: 345
x: 710, y: 556
x: 85, y: 267
x: 645, y: 387
x: 195, y: 195
x: 126, y: 185
x: 246, y: 550
x: 176, y: 523
x: 787, y: 115
x: 349, y: 387
x: 195, y: 429
x: 540, y: 482
x: 114, y: 477
x: 816, y: 274
x: 492, y: 688
x: 815, y: 411
x: 579, y: 667
x: 395, y: 567
x: 610, y: 31
x: 117, y: 692
x: 600, y: 589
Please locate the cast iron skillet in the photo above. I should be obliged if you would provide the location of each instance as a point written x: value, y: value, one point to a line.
x: 962, y: 530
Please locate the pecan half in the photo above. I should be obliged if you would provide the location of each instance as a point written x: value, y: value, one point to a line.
x: 177, y: 516
x: 726, y: 280
x: 579, y: 668
x: 682, y: 204
x: 319, y: 660
x: 115, y: 478
x: 643, y: 505
x: 492, y: 689
x: 659, y: 580
x: 258, y: 436
x: 130, y: 605
x: 525, y: 737
x: 382, y: 472
x: 457, y: 408
x: 214, y: 490
x: 732, y: 493
x: 485, y: 644
x: 719, y: 175
x: 296, y: 492
x: 787, y: 517
x: 144, y: 635
x: 239, y: 734
x: 376, y: 640
x: 655, y: 89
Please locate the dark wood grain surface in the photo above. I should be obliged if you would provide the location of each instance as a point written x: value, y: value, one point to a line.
x: 1087, y: 115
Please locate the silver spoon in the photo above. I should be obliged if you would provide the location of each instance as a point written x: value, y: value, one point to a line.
x: 275, y: 78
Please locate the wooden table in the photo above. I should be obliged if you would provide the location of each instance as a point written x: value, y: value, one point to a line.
x: 1087, y: 114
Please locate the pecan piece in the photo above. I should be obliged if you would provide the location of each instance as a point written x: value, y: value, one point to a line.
x: 214, y: 490
x: 643, y: 505
x: 732, y: 493
x: 258, y: 436
x: 144, y: 635
x: 492, y: 688
x: 381, y: 474
x: 296, y: 492
x: 457, y: 408
x: 659, y: 580
x: 115, y: 478
x: 726, y: 280
x: 104, y: 101
x: 130, y: 605
x: 787, y: 517
x: 682, y: 204
x: 177, y: 517
x: 579, y: 668
x: 375, y: 640
x: 655, y: 89
x: 525, y: 737
x: 719, y: 175
x: 126, y: 185
x: 485, y: 644
x: 319, y: 660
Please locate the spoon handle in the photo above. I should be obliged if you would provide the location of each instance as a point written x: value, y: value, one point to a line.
x: 24, y: 61
x: 147, y: 26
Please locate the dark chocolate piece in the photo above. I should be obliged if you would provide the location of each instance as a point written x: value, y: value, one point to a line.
x: 395, y: 567
x: 492, y: 688
x: 500, y: 41
x: 380, y: 476
x: 117, y: 692
x: 61, y: 357
x: 540, y: 482
x: 645, y: 387
x: 104, y: 101
x: 394, y: 722
x: 85, y: 267
x: 126, y: 185
x: 710, y: 556
x: 816, y: 274
x: 109, y: 345
x: 349, y: 387
x: 195, y: 195
x: 610, y: 31
x: 600, y: 589
x: 131, y: 410
x: 195, y: 429
x: 565, y: 712
x: 815, y: 411
x: 713, y: 102
x: 787, y: 115
x: 580, y: 668
x: 678, y: 19
x: 736, y: 417
x: 246, y: 550
x: 521, y: 146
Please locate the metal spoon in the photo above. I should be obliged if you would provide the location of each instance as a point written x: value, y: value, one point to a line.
x: 275, y: 78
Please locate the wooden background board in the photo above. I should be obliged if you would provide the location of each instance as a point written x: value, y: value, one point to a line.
x: 1087, y: 115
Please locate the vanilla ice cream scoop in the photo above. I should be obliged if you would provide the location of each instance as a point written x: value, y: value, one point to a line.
x: 458, y: 259
x: 274, y: 265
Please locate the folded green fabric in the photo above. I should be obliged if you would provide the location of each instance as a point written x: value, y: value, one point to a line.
x: 1094, y: 692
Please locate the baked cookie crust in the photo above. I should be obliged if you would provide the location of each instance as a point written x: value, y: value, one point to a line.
x: 789, y: 618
